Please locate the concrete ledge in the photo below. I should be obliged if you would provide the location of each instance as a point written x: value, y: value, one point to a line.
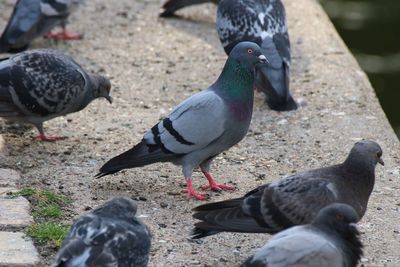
x: 17, y: 251
x: 14, y: 213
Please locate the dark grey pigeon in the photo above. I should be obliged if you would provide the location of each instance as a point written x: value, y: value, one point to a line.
x: 296, y: 199
x: 264, y: 23
x: 202, y: 126
x: 110, y: 235
x: 39, y: 85
x: 35, y: 18
x: 331, y: 240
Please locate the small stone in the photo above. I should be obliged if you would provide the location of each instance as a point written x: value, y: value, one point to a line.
x: 162, y: 225
x: 163, y: 205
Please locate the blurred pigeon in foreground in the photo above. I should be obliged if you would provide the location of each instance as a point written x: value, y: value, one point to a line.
x: 262, y: 22
x: 296, y: 199
x: 39, y: 85
x: 110, y: 235
x: 331, y: 240
x: 202, y: 126
x: 34, y: 18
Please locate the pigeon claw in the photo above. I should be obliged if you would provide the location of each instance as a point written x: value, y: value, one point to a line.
x: 190, y: 192
x: 217, y: 187
x: 43, y: 137
x: 197, y: 195
x: 213, y: 185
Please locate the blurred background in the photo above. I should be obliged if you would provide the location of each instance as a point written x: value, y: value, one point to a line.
x: 371, y: 29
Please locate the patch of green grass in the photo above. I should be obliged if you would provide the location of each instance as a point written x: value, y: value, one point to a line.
x: 42, y: 196
x: 48, y: 232
x: 50, y: 211
x: 45, y: 204
x: 47, y: 211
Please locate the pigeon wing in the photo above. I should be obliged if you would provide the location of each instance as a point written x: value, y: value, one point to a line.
x: 46, y: 83
x: 192, y: 125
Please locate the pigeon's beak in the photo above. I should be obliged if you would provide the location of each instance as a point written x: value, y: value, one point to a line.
x: 380, y: 161
x: 263, y: 59
x: 109, y: 99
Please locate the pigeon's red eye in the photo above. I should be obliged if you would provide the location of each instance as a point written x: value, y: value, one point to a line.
x: 250, y: 51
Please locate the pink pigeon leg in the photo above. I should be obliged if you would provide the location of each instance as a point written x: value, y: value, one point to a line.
x: 213, y: 185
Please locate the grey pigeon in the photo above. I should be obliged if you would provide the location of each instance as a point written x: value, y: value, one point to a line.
x: 296, y: 199
x: 331, y: 240
x: 39, y: 85
x: 262, y: 22
x: 202, y: 126
x: 35, y: 18
x: 110, y: 235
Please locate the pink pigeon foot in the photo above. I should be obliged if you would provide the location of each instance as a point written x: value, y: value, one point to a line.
x: 214, y: 186
x: 43, y: 137
x: 190, y: 192
x: 64, y: 35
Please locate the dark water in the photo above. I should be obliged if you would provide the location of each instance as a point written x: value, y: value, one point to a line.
x: 371, y: 29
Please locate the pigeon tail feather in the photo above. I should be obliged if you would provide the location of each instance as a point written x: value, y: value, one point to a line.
x: 173, y: 5
x: 138, y: 156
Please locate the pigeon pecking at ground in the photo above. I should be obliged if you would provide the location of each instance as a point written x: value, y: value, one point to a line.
x: 39, y: 85
x: 110, y: 235
x: 34, y: 18
x: 262, y: 22
x: 202, y: 126
x: 296, y: 199
x: 331, y: 240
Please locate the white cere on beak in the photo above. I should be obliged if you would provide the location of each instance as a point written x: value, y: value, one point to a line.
x: 263, y: 59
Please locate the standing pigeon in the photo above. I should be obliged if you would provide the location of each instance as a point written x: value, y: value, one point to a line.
x: 331, y: 240
x: 34, y: 18
x: 296, y: 199
x: 202, y: 126
x: 110, y: 235
x: 264, y: 23
x: 39, y: 85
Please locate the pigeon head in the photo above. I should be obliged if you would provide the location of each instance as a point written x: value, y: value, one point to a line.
x: 339, y: 220
x: 102, y: 87
x: 248, y: 55
x: 118, y: 207
x: 365, y: 154
x: 237, y: 77
x: 337, y: 215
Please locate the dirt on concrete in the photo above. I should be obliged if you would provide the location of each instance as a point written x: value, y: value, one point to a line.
x: 154, y: 64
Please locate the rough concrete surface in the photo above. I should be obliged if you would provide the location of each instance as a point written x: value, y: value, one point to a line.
x: 15, y: 213
x: 154, y: 64
x: 9, y: 178
x: 8, y: 181
x: 17, y: 251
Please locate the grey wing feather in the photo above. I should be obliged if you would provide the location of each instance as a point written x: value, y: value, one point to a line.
x: 199, y: 120
x: 249, y: 21
x: 45, y: 82
x: 297, y: 199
